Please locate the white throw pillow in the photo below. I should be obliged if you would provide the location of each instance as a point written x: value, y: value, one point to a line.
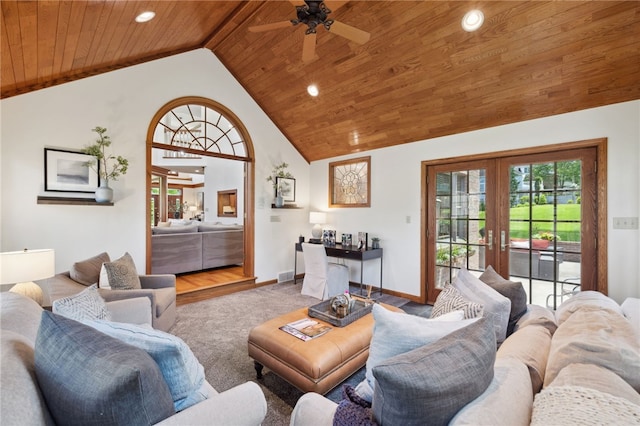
x: 397, y: 332
x: 86, y: 305
x: 496, y: 307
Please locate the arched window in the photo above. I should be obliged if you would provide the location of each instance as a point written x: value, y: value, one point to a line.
x: 197, y: 126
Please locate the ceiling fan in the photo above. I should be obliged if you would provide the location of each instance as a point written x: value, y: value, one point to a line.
x: 314, y: 14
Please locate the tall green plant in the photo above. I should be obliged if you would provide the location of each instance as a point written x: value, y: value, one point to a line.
x: 108, y: 166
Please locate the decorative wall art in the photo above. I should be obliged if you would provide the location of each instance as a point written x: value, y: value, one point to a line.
x: 350, y: 183
x: 68, y: 171
x: 287, y: 188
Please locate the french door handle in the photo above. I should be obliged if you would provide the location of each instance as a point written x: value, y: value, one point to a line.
x: 503, y: 244
x: 490, y: 239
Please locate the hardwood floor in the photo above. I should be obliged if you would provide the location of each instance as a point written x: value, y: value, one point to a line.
x: 203, y: 285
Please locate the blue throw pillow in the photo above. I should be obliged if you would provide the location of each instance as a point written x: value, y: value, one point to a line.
x: 87, y: 377
x: 179, y: 366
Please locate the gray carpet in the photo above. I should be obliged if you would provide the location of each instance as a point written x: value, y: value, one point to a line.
x: 216, y: 330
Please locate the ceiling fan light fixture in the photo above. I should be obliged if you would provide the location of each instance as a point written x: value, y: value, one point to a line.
x: 312, y: 89
x: 145, y: 16
x: 472, y: 20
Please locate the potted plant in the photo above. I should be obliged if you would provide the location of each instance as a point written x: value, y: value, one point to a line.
x: 279, y: 171
x: 108, y: 166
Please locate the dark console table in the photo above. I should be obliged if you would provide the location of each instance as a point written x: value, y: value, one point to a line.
x: 346, y: 252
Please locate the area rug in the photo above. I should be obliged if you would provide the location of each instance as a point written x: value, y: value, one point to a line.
x: 216, y: 330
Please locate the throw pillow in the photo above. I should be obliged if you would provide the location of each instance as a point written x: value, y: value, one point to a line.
x: 353, y: 410
x: 86, y: 305
x: 512, y: 290
x: 120, y: 274
x: 179, y: 366
x: 397, y: 332
x: 87, y: 377
x: 87, y: 271
x: 496, y: 306
x: 430, y: 384
x: 450, y: 300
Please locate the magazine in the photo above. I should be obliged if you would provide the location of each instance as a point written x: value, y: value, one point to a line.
x: 305, y: 329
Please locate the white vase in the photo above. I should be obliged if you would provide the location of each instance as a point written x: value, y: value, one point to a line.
x: 279, y: 201
x: 104, y: 194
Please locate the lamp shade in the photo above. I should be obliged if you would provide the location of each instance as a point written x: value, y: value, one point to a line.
x: 317, y: 218
x: 26, y: 265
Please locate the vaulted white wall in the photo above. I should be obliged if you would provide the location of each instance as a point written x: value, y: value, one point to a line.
x: 395, y: 187
x: 125, y: 101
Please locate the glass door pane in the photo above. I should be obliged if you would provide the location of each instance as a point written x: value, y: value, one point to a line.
x: 544, y: 229
x: 459, y: 223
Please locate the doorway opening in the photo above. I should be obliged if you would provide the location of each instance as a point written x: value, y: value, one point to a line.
x: 195, y: 132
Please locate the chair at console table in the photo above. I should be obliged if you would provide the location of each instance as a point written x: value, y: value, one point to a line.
x: 346, y: 252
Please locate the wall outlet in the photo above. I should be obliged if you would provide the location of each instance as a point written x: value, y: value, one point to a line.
x: 275, y: 218
x: 625, y: 223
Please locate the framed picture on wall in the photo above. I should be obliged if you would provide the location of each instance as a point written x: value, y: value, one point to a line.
x: 68, y: 171
x: 350, y: 183
x: 287, y: 188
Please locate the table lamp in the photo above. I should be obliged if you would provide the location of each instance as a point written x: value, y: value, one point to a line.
x: 317, y: 219
x: 193, y: 210
x: 23, y: 267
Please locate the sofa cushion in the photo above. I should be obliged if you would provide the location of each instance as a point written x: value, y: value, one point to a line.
x: 496, y: 307
x: 512, y: 290
x: 21, y: 401
x: 87, y: 271
x: 88, y: 377
x: 507, y: 401
x: 120, y: 274
x: 180, y: 368
x: 530, y: 345
x: 396, y: 332
x: 537, y: 315
x: 450, y: 300
x: 593, y: 299
x: 430, y: 384
x: 20, y: 314
x: 174, y: 229
x: 86, y: 305
x: 602, y: 337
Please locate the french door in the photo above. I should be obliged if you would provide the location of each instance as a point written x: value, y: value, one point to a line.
x: 532, y: 216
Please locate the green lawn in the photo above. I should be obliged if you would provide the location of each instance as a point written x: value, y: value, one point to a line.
x: 542, y: 217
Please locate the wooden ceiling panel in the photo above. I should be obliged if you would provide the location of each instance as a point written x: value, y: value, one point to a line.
x: 420, y: 75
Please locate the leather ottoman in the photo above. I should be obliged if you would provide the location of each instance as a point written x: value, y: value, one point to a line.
x: 316, y: 365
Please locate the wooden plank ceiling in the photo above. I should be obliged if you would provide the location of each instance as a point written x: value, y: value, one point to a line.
x: 420, y: 75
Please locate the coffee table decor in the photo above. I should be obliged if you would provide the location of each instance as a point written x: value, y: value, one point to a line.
x: 337, y: 317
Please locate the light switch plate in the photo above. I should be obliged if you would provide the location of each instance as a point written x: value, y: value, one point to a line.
x: 625, y: 223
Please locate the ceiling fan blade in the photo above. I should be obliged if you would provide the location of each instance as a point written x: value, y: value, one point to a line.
x: 349, y: 32
x: 334, y: 5
x: 269, y: 27
x: 309, y: 47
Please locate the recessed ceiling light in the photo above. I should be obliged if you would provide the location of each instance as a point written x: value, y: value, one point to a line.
x: 145, y: 16
x: 472, y: 20
x: 312, y: 89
